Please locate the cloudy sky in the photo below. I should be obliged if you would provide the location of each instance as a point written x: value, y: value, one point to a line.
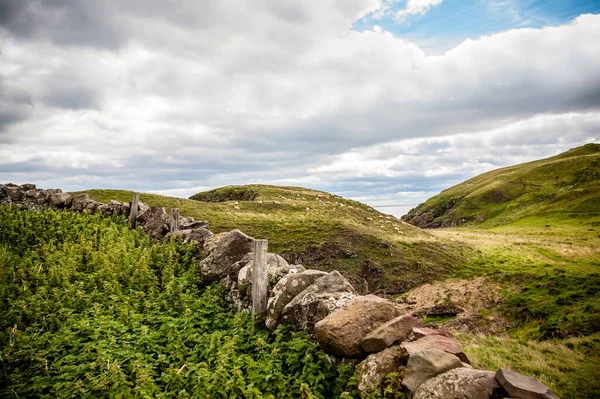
x: 387, y: 102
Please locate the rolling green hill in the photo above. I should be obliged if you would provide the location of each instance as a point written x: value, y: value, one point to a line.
x: 563, y: 189
x: 377, y: 252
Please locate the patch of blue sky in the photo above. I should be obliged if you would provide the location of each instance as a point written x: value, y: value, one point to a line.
x: 447, y: 24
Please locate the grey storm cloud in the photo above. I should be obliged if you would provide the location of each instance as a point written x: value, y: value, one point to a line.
x: 178, y: 94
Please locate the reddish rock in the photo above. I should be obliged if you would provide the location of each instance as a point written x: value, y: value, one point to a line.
x: 420, y: 332
x: 340, y: 333
x: 395, y: 330
x: 523, y: 387
x: 446, y: 344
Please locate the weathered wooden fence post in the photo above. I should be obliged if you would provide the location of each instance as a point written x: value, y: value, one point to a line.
x: 134, y: 210
x: 259, y: 279
x: 174, y: 220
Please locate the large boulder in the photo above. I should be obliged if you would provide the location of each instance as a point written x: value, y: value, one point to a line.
x: 523, y: 387
x: 441, y: 342
x: 461, y: 383
x: 317, y: 301
x: 223, y: 250
x: 286, y: 290
x: 422, y: 366
x: 373, y: 370
x: 340, y: 333
x: 395, y: 330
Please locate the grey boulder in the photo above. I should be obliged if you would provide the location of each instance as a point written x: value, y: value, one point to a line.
x: 461, y: 383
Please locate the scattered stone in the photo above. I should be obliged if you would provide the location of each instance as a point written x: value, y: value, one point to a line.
x: 441, y: 342
x: 317, y: 301
x: 395, y: 330
x: 373, y: 370
x: 523, y: 387
x: 341, y: 332
x: 427, y: 364
x: 461, y: 383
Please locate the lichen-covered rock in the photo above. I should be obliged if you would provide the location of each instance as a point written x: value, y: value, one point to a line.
x: 188, y: 223
x: 318, y: 300
x: 441, y: 342
x: 461, y: 383
x: 422, y: 366
x: 373, y: 370
x: 286, y: 290
x: 277, y: 268
x: 341, y: 332
x: 523, y: 387
x: 223, y: 250
x: 395, y: 330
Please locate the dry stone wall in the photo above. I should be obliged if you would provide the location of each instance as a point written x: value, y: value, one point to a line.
x: 372, y: 332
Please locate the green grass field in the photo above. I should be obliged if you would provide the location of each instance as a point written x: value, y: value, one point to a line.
x: 352, y: 238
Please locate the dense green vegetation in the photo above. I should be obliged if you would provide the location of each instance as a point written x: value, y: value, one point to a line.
x: 93, y: 309
x: 232, y: 193
x: 560, y: 189
x: 334, y: 234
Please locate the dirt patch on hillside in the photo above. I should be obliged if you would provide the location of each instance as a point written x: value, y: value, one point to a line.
x: 462, y: 305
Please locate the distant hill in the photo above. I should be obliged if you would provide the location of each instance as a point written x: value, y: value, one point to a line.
x: 554, y: 190
x: 377, y: 252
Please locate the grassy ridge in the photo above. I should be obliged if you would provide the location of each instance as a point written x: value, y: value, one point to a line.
x: 560, y: 189
x: 91, y: 308
x: 328, y: 236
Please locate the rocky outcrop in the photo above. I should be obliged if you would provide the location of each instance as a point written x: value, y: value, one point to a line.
x: 523, y: 387
x: 422, y: 366
x: 285, y: 291
x: 440, y: 342
x: 373, y: 370
x: 223, y: 250
x: 395, y: 330
x: 341, y: 332
x: 461, y: 383
x: 317, y: 301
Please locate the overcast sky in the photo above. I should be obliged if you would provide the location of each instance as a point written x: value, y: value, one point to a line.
x: 384, y: 102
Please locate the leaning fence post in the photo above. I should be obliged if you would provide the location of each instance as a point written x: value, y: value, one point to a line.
x: 134, y: 210
x: 259, y: 278
x: 174, y: 220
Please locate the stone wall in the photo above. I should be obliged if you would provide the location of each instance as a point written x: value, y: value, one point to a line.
x: 374, y: 333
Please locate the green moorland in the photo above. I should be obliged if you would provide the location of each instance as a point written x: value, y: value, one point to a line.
x: 534, y: 229
x: 92, y: 309
x: 352, y: 238
x: 548, y: 191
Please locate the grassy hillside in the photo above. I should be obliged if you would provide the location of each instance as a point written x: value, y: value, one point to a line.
x: 564, y: 190
x: 92, y: 309
x: 377, y: 252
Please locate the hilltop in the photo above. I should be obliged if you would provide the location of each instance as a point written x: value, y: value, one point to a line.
x: 377, y: 252
x: 563, y: 189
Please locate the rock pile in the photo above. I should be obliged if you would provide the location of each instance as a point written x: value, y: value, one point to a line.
x: 373, y: 332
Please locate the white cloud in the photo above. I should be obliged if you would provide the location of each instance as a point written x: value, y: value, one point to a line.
x: 202, y: 94
x: 416, y: 8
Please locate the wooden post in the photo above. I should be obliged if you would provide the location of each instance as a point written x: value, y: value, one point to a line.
x: 134, y: 210
x: 174, y: 220
x: 259, y: 278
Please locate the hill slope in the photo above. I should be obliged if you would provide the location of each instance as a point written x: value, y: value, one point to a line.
x: 557, y: 189
x: 377, y: 252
